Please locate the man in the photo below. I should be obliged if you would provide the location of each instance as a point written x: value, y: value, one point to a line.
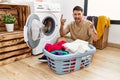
x: 80, y: 28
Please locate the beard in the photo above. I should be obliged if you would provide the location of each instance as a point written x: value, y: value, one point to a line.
x: 77, y: 20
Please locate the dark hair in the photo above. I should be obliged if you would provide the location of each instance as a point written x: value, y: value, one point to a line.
x: 78, y: 8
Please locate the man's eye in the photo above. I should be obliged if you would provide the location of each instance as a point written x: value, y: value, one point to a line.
x: 79, y: 14
x: 75, y: 14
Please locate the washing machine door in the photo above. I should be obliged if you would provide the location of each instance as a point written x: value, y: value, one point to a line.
x: 32, y: 30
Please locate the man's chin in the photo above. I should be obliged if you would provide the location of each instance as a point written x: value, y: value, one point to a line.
x: 77, y: 21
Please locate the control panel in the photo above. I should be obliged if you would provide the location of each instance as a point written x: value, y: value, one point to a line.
x: 44, y: 6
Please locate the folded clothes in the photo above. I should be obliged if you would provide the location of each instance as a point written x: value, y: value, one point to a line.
x: 77, y: 46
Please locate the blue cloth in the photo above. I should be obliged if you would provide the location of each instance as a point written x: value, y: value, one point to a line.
x: 59, y: 52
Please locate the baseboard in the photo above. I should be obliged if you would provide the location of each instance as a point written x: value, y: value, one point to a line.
x: 114, y: 45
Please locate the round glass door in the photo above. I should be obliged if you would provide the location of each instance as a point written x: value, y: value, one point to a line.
x: 49, y: 26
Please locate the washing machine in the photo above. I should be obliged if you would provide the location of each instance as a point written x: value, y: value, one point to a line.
x: 42, y: 26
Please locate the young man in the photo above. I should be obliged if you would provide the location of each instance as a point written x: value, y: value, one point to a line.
x: 80, y: 28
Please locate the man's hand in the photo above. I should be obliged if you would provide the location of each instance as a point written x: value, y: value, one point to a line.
x: 92, y: 31
x: 62, y: 20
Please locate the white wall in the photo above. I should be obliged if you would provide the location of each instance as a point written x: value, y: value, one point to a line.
x: 104, y: 7
x: 114, y: 34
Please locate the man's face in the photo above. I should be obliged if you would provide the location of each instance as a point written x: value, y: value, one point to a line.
x: 77, y: 16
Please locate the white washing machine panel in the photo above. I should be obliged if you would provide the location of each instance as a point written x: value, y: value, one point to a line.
x: 35, y: 33
x: 38, y: 7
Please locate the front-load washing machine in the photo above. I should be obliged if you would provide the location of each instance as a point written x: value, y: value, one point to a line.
x: 42, y: 26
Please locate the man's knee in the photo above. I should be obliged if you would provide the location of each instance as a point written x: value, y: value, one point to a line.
x: 67, y: 39
x: 61, y: 39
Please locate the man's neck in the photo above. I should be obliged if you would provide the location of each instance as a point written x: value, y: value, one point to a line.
x: 79, y: 23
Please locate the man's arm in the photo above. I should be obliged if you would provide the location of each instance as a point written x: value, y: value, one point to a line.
x: 93, y: 33
x: 63, y: 31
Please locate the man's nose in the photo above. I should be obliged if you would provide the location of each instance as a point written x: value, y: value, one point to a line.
x: 77, y: 16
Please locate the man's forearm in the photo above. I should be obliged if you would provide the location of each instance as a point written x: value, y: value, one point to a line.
x: 61, y: 31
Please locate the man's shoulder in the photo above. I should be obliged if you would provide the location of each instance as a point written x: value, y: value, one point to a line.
x: 72, y: 23
x: 88, y: 22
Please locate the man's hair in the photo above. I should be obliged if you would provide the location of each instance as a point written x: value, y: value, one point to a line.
x: 78, y: 8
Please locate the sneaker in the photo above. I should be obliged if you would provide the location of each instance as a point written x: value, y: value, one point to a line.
x: 43, y: 59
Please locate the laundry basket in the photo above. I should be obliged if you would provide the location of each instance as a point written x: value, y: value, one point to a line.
x: 68, y: 63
